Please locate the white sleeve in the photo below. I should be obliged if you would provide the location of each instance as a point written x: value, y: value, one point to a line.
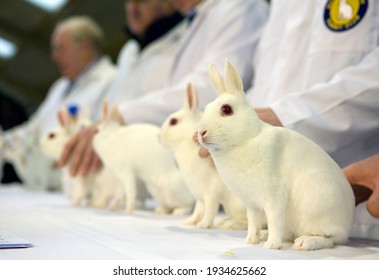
x: 340, y: 112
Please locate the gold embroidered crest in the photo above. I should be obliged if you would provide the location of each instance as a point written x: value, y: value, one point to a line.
x: 342, y: 15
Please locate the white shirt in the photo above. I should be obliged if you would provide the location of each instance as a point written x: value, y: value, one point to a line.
x: 317, y: 67
x: 221, y: 29
x: 87, y: 92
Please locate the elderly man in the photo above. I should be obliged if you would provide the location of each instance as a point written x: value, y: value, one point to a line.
x: 86, y: 73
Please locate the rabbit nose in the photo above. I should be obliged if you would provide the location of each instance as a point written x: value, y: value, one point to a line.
x: 202, y: 133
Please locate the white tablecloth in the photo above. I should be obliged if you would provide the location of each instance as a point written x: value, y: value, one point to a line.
x: 60, y: 231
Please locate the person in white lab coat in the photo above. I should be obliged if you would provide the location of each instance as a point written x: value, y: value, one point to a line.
x: 86, y: 73
x: 144, y: 61
x: 316, y: 72
x: 219, y: 29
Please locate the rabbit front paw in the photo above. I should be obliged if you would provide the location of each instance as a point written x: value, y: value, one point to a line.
x: 273, y: 244
x: 114, y: 205
x: 77, y: 201
x: 162, y: 210
x: 263, y: 235
x: 232, y: 224
x: 252, y: 239
x: 205, y: 224
x: 98, y: 203
x: 130, y: 208
x: 191, y: 221
x: 180, y: 211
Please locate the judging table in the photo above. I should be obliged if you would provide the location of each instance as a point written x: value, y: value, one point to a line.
x: 60, y: 231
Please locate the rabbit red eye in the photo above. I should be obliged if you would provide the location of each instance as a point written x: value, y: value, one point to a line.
x: 51, y: 136
x: 226, y: 110
x: 173, y: 121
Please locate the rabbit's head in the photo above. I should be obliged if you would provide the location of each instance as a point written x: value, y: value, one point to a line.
x: 181, y: 125
x: 229, y: 120
x: 53, y: 142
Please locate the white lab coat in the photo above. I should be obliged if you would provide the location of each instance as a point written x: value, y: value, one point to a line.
x: 87, y: 92
x: 321, y: 83
x: 140, y: 72
x: 221, y: 29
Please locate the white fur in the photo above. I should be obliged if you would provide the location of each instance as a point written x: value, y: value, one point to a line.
x: 279, y: 174
x: 133, y: 153
x: 199, y: 173
x: 35, y: 170
x: 98, y: 188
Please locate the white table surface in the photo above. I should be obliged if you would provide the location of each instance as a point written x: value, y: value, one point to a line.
x: 60, y: 231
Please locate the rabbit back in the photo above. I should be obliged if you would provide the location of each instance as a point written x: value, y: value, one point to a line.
x: 142, y: 157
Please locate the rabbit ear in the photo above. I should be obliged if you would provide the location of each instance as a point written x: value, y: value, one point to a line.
x: 105, y: 111
x: 116, y: 116
x: 63, y: 118
x: 216, y: 79
x: 233, y: 82
x: 191, y: 102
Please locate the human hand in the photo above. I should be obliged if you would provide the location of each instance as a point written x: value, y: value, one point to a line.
x: 80, y: 153
x: 364, y: 179
x: 267, y: 115
x: 203, y: 152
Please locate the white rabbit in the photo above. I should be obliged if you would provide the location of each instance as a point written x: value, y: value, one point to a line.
x: 98, y: 188
x: 199, y: 173
x: 278, y: 173
x: 134, y: 153
x: 33, y: 167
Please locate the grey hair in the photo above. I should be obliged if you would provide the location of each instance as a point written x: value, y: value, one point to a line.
x: 84, y: 28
